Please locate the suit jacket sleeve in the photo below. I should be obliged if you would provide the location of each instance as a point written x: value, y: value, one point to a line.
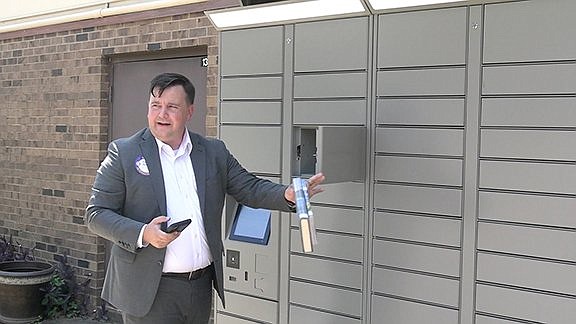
x: 105, y: 208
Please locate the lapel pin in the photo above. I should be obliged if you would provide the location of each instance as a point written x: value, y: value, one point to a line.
x: 141, y: 166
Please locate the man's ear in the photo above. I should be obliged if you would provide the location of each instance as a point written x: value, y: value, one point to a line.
x: 190, y: 111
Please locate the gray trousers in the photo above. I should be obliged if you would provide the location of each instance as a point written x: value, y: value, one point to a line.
x: 179, y: 301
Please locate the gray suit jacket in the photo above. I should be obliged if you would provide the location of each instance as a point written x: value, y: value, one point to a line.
x: 124, y: 199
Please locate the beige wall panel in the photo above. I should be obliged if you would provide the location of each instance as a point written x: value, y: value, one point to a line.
x: 420, y: 141
x: 530, y: 241
x: 432, y: 37
x: 418, y: 228
x: 528, y: 144
x: 343, y: 112
x: 532, y: 209
x: 389, y: 310
x: 251, y: 112
x: 251, y: 88
x: 435, y: 112
x: 417, y: 257
x: 326, y: 271
x: 264, y: 157
x: 536, y: 79
x: 416, y: 286
x: 336, y: 219
x: 328, y: 298
x: 539, y: 31
x: 539, y: 177
x: 304, y: 315
x: 246, y: 306
x: 419, y: 199
x: 343, y: 193
x: 539, y: 308
x: 419, y: 170
x: 421, y: 82
x: 532, y: 112
x: 528, y: 273
x: 333, y: 85
x: 331, y: 245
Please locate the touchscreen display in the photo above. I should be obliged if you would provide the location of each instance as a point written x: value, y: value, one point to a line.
x: 251, y: 225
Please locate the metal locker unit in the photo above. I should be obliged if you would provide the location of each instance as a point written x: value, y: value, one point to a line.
x: 251, y: 92
x: 258, y: 116
x: 325, y: 123
x: 466, y: 210
x: 331, y: 93
x: 419, y: 149
x: 527, y: 164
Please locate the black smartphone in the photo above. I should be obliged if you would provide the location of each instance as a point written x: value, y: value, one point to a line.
x: 178, y: 226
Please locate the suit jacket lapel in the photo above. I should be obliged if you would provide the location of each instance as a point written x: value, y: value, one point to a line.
x: 149, y: 149
x: 198, y: 157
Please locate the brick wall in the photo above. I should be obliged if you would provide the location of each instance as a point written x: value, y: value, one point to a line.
x: 54, y: 126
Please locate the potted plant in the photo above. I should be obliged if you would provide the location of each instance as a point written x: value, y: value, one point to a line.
x: 23, y: 281
x: 66, y: 297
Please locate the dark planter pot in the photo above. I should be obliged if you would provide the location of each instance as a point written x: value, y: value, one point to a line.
x: 20, y: 290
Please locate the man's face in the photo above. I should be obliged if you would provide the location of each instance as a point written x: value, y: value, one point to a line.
x: 168, y: 114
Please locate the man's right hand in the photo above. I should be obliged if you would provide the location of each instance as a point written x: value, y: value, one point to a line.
x: 154, y: 235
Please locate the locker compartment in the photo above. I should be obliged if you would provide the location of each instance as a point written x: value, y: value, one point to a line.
x: 249, y: 307
x: 433, y: 37
x: 533, y: 112
x: 436, y: 112
x: 540, y: 177
x: 326, y: 271
x: 404, y: 312
x: 331, y: 45
x: 304, y: 315
x: 420, y: 141
x: 419, y: 170
x: 331, y: 245
x: 251, y: 112
x: 252, y: 51
x: 417, y: 228
x: 251, y: 88
x: 333, y: 85
x: 530, y: 241
x: 263, y: 157
x: 416, y: 286
x: 226, y: 319
x: 419, y: 199
x: 528, y: 144
x: 417, y: 257
x: 492, y: 320
x: 421, y: 82
x: 328, y: 298
x: 525, y: 305
x: 528, y: 273
x: 336, y: 219
x: 337, y: 151
x: 539, y: 31
x: 345, y: 112
x: 535, y: 79
x: 343, y: 193
x: 543, y: 210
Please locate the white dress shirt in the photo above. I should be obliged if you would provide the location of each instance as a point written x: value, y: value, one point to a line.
x: 190, y: 250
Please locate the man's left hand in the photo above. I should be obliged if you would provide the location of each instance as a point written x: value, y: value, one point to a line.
x: 313, y: 187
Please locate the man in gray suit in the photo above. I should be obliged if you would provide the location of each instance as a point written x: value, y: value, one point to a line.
x: 159, y: 176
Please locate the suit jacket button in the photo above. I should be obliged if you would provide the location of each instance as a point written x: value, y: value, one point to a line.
x: 159, y: 263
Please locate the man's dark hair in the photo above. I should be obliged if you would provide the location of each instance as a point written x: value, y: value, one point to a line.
x: 166, y: 80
